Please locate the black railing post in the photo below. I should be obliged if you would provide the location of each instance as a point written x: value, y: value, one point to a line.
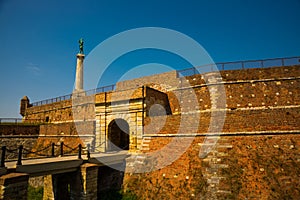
x: 62, y: 148
x: 79, y: 151
x: 3, y: 149
x: 88, y: 151
x: 19, y: 162
x: 52, y: 149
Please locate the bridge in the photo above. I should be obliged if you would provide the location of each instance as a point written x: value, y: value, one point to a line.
x: 65, y: 177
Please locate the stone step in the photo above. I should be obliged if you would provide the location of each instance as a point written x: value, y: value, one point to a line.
x: 223, y: 191
x: 227, y: 146
x: 218, y: 166
x: 212, y: 159
x: 215, y: 179
x: 216, y: 144
x: 212, y: 170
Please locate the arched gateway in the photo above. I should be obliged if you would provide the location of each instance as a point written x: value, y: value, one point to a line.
x: 120, y: 117
x: 118, y: 135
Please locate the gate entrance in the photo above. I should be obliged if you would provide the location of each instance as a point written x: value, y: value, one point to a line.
x: 118, y: 135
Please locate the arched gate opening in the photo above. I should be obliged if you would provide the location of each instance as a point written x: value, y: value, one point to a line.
x: 118, y: 135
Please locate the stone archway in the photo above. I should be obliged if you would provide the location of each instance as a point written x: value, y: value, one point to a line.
x: 118, y: 135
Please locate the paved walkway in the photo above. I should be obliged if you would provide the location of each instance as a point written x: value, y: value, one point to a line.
x: 43, y: 166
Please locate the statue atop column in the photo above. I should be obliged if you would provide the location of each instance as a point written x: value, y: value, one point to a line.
x: 80, y: 45
x: 79, y: 69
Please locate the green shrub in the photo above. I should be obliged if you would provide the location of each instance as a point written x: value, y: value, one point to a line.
x: 35, y: 193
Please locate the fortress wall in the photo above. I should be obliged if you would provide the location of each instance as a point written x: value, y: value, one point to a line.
x: 68, y: 129
x: 62, y: 111
x: 246, y: 88
x: 251, y: 88
x: 248, y: 74
x: 272, y: 93
x: 18, y: 130
x: 258, y: 167
x: 72, y: 134
x: 261, y: 155
x: 59, y: 111
x: 38, y: 137
x: 162, y: 81
x: 251, y: 120
x: 14, y: 135
x: 262, y: 119
x: 159, y: 100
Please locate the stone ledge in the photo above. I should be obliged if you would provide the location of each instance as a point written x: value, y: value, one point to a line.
x: 224, y: 134
x: 13, y: 178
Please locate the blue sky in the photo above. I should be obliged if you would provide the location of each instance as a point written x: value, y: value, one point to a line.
x: 39, y: 39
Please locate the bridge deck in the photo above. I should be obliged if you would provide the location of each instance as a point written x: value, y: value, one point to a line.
x: 43, y: 166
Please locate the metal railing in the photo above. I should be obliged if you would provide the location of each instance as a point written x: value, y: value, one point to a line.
x: 69, y: 96
x: 21, y: 121
x: 10, y: 120
x: 193, y: 71
x: 248, y: 64
x: 52, y: 150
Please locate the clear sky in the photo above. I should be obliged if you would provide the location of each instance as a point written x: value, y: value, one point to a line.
x: 39, y: 38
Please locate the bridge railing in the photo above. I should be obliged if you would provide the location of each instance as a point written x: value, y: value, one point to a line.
x: 52, y: 150
x: 248, y: 64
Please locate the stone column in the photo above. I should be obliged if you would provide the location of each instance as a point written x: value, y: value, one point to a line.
x: 79, y: 73
x: 48, y: 188
x: 89, y: 175
x: 14, y: 186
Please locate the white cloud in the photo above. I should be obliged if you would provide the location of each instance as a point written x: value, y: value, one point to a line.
x: 34, y: 69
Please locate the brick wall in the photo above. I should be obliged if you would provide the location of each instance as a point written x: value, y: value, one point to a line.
x: 260, y: 158
x: 258, y: 167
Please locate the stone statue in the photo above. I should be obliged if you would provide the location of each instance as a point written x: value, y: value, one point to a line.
x: 80, y: 46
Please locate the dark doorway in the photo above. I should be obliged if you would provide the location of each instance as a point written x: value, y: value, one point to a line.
x: 118, y: 135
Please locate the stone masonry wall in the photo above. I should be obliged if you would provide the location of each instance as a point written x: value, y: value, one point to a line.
x: 59, y: 111
x: 12, y: 136
x: 256, y: 155
x: 18, y: 130
x: 254, y: 167
x: 14, y: 186
x: 247, y: 88
x: 255, y: 120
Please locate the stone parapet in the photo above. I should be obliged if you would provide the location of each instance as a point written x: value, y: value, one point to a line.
x: 14, y: 186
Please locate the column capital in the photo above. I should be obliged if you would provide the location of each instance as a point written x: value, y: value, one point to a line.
x: 80, y: 55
